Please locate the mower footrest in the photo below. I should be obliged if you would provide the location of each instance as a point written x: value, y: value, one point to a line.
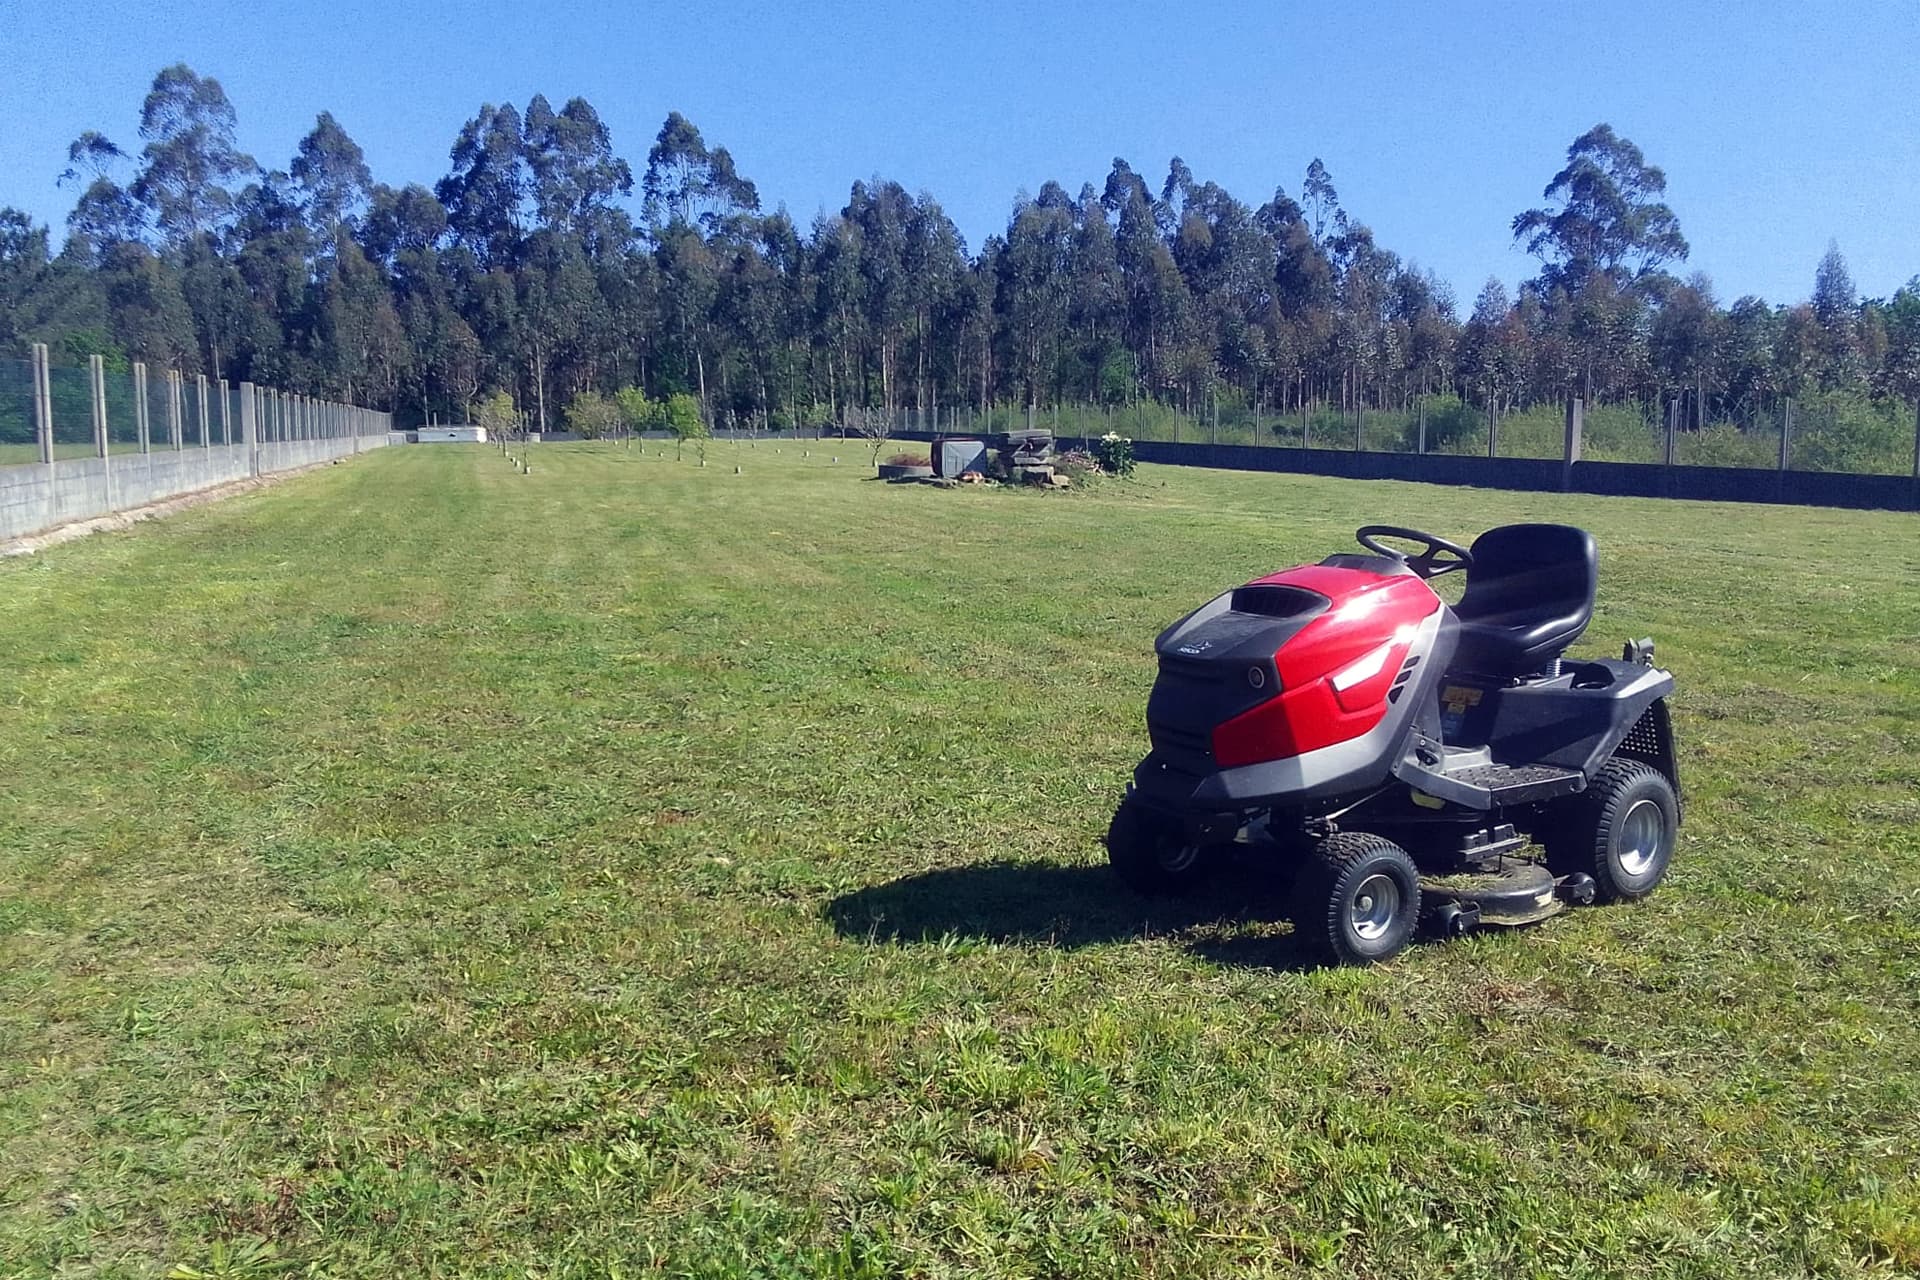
x: 1507, y: 784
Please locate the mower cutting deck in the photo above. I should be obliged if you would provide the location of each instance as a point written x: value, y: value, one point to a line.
x: 1398, y: 753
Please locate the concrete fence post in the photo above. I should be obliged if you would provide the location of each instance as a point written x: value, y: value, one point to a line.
x: 140, y: 422
x: 1673, y: 428
x: 1576, y: 425
x: 1786, y: 435
x: 226, y: 411
x: 206, y: 434
x: 173, y: 408
x: 250, y: 427
x: 97, y: 380
x: 42, y: 405
x: 102, y: 448
x: 1422, y: 448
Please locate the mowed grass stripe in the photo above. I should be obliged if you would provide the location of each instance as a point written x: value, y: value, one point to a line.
x: 425, y: 868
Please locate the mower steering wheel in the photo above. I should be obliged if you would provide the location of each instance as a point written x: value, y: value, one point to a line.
x: 1427, y: 563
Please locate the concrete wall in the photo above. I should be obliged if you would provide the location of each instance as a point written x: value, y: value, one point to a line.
x: 39, y: 495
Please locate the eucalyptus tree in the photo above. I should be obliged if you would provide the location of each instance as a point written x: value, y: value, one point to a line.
x: 192, y: 162
x: 575, y: 174
x: 1900, y: 374
x: 270, y: 248
x: 688, y: 182
x: 1032, y: 296
x: 1604, y: 215
x: 1687, y: 343
x: 1320, y: 202
x: 1096, y: 312
x: 44, y: 297
x: 330, y: 172
x: 485, y: 194
x: 106, y: 213
x: 935, y: 263
x: 1836, y: 310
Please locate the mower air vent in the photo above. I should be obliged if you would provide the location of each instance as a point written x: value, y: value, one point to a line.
x: 1276, y: 600
x: 1643, y: 740
x: 1182, y: 749
x: 1190, y: 669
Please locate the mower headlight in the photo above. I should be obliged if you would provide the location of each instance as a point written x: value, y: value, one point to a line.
x: 1257, y: 677
x: 1366, y: 668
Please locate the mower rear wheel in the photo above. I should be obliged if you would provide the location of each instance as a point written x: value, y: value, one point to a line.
x: 1357, y: 900
x: 1621, y: 831
x: 1150, y: 855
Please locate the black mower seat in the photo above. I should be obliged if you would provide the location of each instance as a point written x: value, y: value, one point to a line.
x: 1529, y: 595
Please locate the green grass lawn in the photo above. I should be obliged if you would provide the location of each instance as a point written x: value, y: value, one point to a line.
x: 424, y: 869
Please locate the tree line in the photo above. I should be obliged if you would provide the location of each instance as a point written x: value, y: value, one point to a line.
x: 535, y: 269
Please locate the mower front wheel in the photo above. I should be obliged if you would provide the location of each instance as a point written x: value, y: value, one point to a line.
x: 1357, y: 900
x: 1621, y: 831
x: 1148, y: 852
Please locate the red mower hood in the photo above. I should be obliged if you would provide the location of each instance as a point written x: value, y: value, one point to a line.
x: 1334, y: 673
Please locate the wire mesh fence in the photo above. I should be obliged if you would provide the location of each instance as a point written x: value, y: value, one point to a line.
x: 18, y: 439
x: 82, y: 439
x: 145, y: 410
x: 123, y: 429
x: 1817, y: 433
x: 72, y: 396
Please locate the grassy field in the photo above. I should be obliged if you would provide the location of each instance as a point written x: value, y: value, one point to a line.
x: 424, y: 869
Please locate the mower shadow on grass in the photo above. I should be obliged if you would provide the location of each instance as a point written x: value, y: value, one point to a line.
x: 1046, y: 904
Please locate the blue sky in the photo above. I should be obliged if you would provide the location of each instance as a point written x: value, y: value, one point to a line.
x: 1780, y: 126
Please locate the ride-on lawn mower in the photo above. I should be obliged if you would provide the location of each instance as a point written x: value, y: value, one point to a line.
x: 1398, y: 752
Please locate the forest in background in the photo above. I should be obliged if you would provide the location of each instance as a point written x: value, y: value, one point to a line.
x: 544, y: 267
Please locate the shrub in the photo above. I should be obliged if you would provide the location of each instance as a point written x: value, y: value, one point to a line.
x: 683, y: 419
x: 1114, y: 453
x: 1834, y: 431
x: 496, y: 413
x: 1453, y: 426
x: 637, y: 413
x: 1079, y: 466
x: 591, y: 415
x: 909, y: 460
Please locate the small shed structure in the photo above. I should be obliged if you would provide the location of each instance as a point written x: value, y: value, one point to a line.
x: 452, y: 435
